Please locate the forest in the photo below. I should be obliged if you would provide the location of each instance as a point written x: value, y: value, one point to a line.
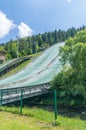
x: 36, y: 43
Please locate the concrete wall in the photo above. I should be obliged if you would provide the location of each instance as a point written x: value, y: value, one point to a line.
x: 2, y: 58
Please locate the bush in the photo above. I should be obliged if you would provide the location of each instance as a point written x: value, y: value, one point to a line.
x: 66, y: 82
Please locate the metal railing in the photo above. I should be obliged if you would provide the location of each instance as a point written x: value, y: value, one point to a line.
x: 14, y: 94
x: 14, y: 63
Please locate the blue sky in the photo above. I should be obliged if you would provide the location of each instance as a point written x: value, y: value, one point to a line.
x: 26, y: 17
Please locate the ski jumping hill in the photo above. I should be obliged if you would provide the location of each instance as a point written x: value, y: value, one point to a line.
x: 40, y: 71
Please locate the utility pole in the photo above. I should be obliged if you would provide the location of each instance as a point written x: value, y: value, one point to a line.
x: 17, y: 46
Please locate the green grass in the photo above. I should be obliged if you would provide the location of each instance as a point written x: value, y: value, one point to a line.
x: 9, y: 121
x: 36, y: 119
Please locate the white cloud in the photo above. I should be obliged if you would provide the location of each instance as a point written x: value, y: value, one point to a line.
x: 69, y: 1
x: 5, y: 25
x: 24, y: 30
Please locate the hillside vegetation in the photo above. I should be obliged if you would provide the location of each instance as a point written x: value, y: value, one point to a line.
x: 71, y: 81
x: 36, y: 43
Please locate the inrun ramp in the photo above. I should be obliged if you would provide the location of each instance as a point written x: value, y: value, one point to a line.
x: 40, y: 71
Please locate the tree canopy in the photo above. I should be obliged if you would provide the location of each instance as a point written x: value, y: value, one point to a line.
x: 37, y: 43
x: 72, y: 78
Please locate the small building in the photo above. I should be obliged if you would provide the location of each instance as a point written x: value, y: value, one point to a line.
x: 2, y: 56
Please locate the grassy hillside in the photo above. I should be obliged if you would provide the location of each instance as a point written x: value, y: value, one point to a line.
x: 36, y: 119
x: 9, y: 121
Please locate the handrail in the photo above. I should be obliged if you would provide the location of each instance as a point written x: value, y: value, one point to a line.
x: 22, y: 87
x: 13, y: 63
x: 14, y: 94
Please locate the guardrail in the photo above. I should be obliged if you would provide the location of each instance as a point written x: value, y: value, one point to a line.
x: 15, y: 94
x: 5, y: 68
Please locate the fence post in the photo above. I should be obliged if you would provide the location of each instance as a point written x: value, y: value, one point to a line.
x: 21, y: 101
x: 1, y: 98
x: 55, y: 104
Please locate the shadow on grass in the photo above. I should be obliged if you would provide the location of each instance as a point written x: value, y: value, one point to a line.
x: 73, y: 112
